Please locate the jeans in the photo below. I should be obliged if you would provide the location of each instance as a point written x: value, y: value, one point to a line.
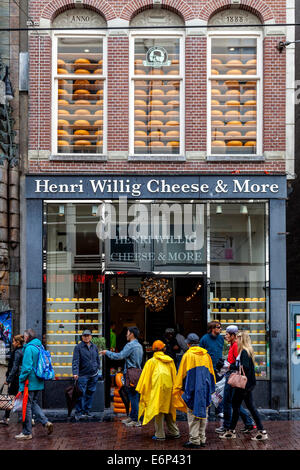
x: 33, y: 408
x: 88, y: 386
x: 238, y: 396
x: 134, y: 398
x: 227, y: 406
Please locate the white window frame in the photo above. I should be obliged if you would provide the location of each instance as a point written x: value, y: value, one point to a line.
x: 259, y: 90
x: 181, y: 77
x: 55, y: 77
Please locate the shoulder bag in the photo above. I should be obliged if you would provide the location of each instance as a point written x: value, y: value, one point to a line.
x: 6, y: 401
x: 238, y: 379
x: 132, y: 376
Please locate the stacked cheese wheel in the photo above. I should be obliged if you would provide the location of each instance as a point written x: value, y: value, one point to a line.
x: 156, y: 109
x: 80, y: 107
x: 233, y: 66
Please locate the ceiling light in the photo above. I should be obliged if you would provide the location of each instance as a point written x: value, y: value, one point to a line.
x: 61, y: 210
x: 219, y: 210
x: 244, y: 210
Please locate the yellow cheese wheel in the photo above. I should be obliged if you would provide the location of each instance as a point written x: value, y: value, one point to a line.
x: 99, y: 122
x: 139, y: 123
x: 82, y: 61
x: 218, y: 143
x: 60, y: 62
x: 63, y: 102
x: 234, y: 72
x: 156, y: 134
x: 139, y: 143
x: 173, y: 143
x: 172, y: 113
x: 62, y: 82
x: 82, y: 82
x: 172, y: 123
x: 81, y: 132
x: 61, y: 91
x: 156, y: 143
x: 82, y: 112
x: 234, y: 62
x: 81, y: 122
x: 232, y: 92
x: 62, y: 143
x: 172, y: 134
x: 140, y: 112
x: 173, y: 103
x: 233, y: 134
x: 251, y: 72
x: 217, y: 134
x: 156, y: 91
x: 234, y: 143
x: 231, y: 310
x: 100, y: 143
x: 172, y: 93
x: 62, y: 112
x: 232, y: 83
x: 156, y: 103
x: 250, y: 143
x: 82, y: 102
x: 140, y: 133
x: 214, y: 72
x: 232, y: 112
x: 62, y: 132
x: 140, y: 83
x: 251, y: 62
x: 250, y: 123
x: 234, y: 123
x: 99, y: 112
x: 216, y: 112
x: 250, y: 134
x: 140, y: 103
x: 250, y: 103
x: 217, y: 123
x: 98, y: 72
x: 215, y: 91
x: 82, y: 71
x: 100, y: 132
x: 156, y: 113
x: 138, y: 92
x: 82, y: 142
x: 81, y: 92
x: 232, y: 103
x: 100, y: 62
x: 62, y: 71
x: 215, y: 102
x: 139, y: 72
x: 250, y: 92
x: 99, y: 92
x: 155, y: 122
x: 173, y: 72
x: 216, y: 61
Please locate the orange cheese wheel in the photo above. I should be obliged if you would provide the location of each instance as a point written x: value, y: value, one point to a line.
x: 81, y: 132
x: 172, y: 134
x: 216, y: 61
x: 140, y: 103
x: 216, y: 112
x: 62, y: 132
x: 250, y: 123
x: 140, y: 92
x: 156, y: 143
x: 234, y: 62
x: 139, y: 143
x: 62, y: 71
x: 81, y: 92
x: 61, y: 91
x: 156, y: 103
x: 82, y: 142
x: 250, y: 113
x: 250, y: 134
x: 140, y: 133
x: 99, y: 92
x: 100, y: 62
x: 62, y: 122
x: 233, y: 134
x: 214, y: 72
x: 155, y: 122
x: 140, y: 112
x: 63, y: 102
x: 99, y: 112
x: 60, y: 62
x: 215, y: 102
x: 217, y: 123
x: 172, y: 92
x: 82, y: 71
x: 250, y: 92
x: 100, y: 132
x: 173, y: 72
x: 173, y: 103
x: 251, y: 72
x: 217, y: 134
x: 232, y: 103
x: 62, y: 143
x: 156, y: 134
x: 83, y: 102
x: 232, y: 83
x: 232, y: 92
x: 175, y: 61
x: 156, y: 112
x: 251, y: 62
x: 232, y: 112
x: 139, y: 123
x: 250, y: 83
x: 250, y: 103
x: 234, y: 123
x: 172, y: 113
x: 234, y: 143
x: 218, y: 143
x: 82, y: 82
x: 139, y: 72
x: 156, y: 91
x: 98, y: 72
x: 82, y: 61
x: 215, y: 91
x: 82, y: 111
x: 62, y: 82
x: 100, y: 102
x: 250, y: 143
x: 172, y: 123
x: 99, y: 122
x: 81, y: 122
x: 140, y: 83
x: 234, y: 72
x: 63, y: 111
x: 138, y: 61
x: 100, y: 143
x: 173, y: 143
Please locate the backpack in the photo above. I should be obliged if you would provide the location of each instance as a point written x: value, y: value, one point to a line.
x: 44, y: 369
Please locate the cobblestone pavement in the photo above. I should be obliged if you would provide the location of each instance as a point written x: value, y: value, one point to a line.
x: 283, y: 435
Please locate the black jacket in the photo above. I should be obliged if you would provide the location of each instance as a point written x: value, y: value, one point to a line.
x: 86, y: 361
x: 14, y: 365
x: 248, y: 367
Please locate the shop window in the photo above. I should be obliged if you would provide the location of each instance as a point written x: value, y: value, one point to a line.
x: 157, y: 96
x: 234, y: 94
x: 239, y: 273
x: 79, y: 95
x: 73, y: 281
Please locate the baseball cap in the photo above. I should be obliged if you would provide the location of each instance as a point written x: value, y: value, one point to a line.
x: 232, y: 329
x: 158, y: 345
x: 192, y: 338
x: 86, y: 332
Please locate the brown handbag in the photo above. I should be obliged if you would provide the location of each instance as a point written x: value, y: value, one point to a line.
x: 238, y: 379
x: 6, y: 401
x: 132, y: 376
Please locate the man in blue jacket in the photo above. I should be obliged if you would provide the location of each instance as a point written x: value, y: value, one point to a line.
x: 35, y: 385
x: 85, y: 368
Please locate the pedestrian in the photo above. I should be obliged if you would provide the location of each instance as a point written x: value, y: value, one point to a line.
x: 213, y: 342
x: 245, y: 360
x: 13, y: 372
x: 196, y: 379
x: 172, y: 347
x: 85, y: 369
x: 230, y: 337
x: 133, y: 355
x: 181, y: 339
x: 35, y: 386
x: 155, y: 388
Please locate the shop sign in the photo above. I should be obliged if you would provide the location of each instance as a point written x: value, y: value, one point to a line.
x: 156, y: 56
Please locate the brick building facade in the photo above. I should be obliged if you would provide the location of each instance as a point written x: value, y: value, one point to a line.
x: 210, y: 47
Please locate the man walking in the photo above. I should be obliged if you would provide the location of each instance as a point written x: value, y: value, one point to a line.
x: 133, y: 355
x: 196, y: 379
x: 85, y: 368
x: 230, y: 337
x: 35, y: 385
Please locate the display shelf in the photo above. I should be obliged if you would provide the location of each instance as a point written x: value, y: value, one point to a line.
x: 73, y: 301
x: 237, y: 301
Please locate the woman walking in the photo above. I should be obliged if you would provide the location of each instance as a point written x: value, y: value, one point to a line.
x: 245, y: 359
x: 13, y: 372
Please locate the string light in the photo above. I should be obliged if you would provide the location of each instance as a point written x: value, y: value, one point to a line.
x: 188, y: 299
x: 122, y: 296
x: 156, y: 293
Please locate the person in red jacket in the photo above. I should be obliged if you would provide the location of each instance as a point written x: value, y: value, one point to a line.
x: 230, y: 337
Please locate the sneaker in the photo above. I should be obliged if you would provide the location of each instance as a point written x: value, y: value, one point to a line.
x: 136, y: 424
x: 228, y: 435
x: 191, y: 445
x: 49, y: 427
x: 126, y: 421
x: 260, y: 436
x: 220, y: 430
x: 4, y: 421
x: 248, y: 429
x: 158, y: 438
x: 23, y: 437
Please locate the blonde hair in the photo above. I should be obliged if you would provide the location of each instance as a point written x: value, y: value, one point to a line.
x: 244, y: 343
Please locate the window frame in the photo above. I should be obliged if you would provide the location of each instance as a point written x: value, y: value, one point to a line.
x: 152, y: 34
x: 54, y: 95
x: 259, y: 92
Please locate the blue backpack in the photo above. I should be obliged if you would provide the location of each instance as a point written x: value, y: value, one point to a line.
x: 44, y: 369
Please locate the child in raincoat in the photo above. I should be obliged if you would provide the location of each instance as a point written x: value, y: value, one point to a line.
x: 194, y: 384
x: 155, y: 388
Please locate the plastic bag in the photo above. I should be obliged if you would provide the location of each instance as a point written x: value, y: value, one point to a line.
x: 18, y: 402
x: 218, y: 394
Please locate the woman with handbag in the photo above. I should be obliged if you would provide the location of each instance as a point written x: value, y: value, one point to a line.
x: 13, y: 372
x: 244, y: 382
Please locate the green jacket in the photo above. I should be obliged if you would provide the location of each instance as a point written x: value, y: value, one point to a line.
x: 29, y: 364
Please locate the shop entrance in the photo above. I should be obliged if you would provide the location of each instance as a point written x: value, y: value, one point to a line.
x: 154, y: 303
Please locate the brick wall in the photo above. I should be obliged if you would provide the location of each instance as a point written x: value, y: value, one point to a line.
x: 274, y: 138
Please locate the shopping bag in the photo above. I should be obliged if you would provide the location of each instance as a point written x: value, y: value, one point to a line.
x: 6, y: 401
x: 218, y: 394
x: 18, y: 404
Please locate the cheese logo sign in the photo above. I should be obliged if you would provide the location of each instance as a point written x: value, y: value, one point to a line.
x: 156, y: 56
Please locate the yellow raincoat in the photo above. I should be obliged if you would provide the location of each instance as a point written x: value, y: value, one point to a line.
x: 155, y: 387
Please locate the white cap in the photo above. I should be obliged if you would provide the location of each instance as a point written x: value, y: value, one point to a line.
x: 232, y: 329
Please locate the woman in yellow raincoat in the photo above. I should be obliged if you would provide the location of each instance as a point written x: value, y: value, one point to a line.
x: 155, y: 388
